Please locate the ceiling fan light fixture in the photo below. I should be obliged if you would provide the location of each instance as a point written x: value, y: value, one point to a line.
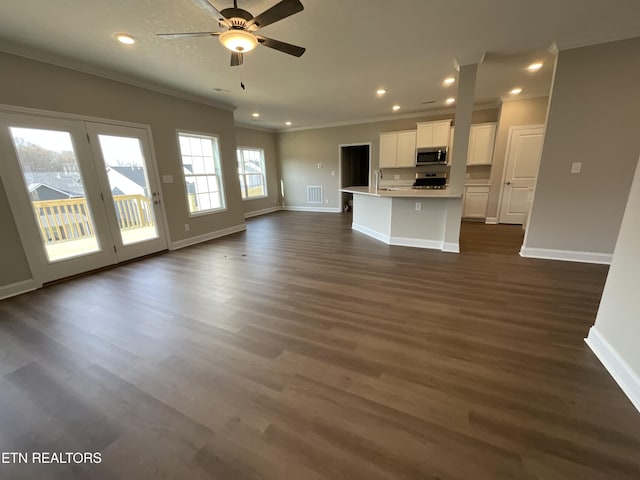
x: 238, y: 40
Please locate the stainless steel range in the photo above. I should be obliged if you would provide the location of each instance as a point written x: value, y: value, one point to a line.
x: 431, y: 181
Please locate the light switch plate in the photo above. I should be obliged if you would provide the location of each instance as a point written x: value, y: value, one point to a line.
x: 576, y: 167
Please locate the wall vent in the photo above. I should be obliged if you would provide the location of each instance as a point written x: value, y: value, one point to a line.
x: 314, y: 194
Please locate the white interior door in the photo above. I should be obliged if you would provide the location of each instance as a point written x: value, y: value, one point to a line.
x: 53, y: 190
x: 130, y: 187
x: 524, y: 148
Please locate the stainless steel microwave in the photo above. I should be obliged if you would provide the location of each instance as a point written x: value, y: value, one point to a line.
x: 431, y: 156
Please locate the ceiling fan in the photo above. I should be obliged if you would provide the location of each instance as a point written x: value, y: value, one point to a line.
x: 240, y: 36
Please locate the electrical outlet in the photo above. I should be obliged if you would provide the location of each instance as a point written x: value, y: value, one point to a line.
x: 396, y: 177
x: 186, y: 227
x: 326, y: 201
x: 333, y: 173
x: 418, y: 206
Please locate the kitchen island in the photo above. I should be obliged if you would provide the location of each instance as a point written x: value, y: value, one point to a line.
x: 406, y: 216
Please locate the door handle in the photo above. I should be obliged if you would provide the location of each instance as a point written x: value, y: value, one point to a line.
x: 508, y: 183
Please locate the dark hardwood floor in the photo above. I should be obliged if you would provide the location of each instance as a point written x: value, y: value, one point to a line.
x: 303, y: 350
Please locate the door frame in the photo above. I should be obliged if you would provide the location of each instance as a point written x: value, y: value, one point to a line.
x: 139, y: 249
x: 35, y: 264
x: 340, y: 147
x: 503, y: 177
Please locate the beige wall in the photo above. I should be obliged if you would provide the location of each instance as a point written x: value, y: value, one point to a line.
x: 246, y: 137
x: 594, y: 118
x: 301, y: 151
x: 618, y: 321
x: 513, y: 113
x: 28, y: 83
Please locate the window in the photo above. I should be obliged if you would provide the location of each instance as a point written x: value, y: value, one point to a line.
x: 252, y: 173
x: 202, y: 174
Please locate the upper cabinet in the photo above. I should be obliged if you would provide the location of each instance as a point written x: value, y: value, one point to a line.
x: 433, y: 134
x: 481, y: 139
x: 397, y: 149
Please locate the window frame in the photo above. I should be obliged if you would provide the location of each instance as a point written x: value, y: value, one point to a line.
x: 219, y: 172
x: 263, y: 172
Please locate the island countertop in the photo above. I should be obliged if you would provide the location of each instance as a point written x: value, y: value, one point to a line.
x: 398, y: 192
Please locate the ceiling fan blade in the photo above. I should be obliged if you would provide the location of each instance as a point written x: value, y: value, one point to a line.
x: 279, y: 11
x: 283, y: 47
x: 236, y: 59
x: 170, y: 36
x: 211, y: 10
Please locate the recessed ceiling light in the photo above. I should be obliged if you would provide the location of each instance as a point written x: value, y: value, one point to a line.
x: 125, y: 38
x: 288, y: 124
x: 534, y: 67
x: 516, y: 91
x: 449, y: 100
x: 255, y: 115
x: 396, y: 108
x: 449, y: 81
x: 381, y: 91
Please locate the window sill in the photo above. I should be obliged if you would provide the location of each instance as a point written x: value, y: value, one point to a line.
x: 255, y: 198
x: 207, y: 212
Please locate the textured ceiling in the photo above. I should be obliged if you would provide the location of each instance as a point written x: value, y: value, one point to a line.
x: 353, y: 47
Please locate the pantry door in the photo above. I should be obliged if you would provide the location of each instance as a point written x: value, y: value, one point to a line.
x: 52, y: 185
x: 130, y: 187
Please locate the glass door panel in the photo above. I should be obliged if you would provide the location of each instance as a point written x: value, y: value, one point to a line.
x: 129, y: 188
x: 52, y: 186
x: 127, y: 175
x: 56, y: 191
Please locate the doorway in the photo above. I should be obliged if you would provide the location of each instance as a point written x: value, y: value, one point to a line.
x: 524, y: 149
x: 355, y: 170
x: 84, y: 195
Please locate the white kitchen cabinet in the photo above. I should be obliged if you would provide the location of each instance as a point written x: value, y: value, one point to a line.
x: 406, y: 149
x: 475, y: 202
x: 481, y: 139
x: 433, y: 134
x: 398, y: 149
x: 388, y: 149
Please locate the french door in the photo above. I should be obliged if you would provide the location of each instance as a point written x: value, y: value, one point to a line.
x: 83, y: 194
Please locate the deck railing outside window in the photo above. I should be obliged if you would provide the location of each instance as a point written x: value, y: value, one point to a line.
x: 68, y: 219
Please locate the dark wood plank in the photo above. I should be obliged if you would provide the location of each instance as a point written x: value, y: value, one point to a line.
x: 302, y: 349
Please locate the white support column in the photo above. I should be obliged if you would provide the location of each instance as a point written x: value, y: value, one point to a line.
x: 457, y: 172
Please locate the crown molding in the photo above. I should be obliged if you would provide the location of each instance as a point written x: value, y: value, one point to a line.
x: 469, y: 59
x: 386, y: 118
x: 522, y: 97
x: 64, y: 62
x: 254, y: 127
x: 561, y: 45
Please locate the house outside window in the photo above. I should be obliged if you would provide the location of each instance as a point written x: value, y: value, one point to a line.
x: 252, y: 173
x: 202, y: 174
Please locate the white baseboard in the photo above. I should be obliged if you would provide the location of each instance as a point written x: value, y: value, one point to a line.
x: 566, y: 255
x: 264, y: 211
x: 187, y: 242
x: 619, y: 369
x: 416, y: 242
x: 18, y: 288
x: 406, y: 241
x: 451, y: 247
x: 314, y: 209
x: 371, y: 233
x: 491, y: 220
